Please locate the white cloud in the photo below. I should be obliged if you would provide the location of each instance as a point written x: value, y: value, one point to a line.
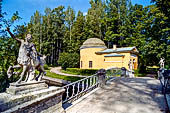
x: 85, y: 13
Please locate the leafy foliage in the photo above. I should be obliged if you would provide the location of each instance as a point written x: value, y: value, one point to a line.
x: 69, y: 60
x: 59, y: 32
x: 79, y: 71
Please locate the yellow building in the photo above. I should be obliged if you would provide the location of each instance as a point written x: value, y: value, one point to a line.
x: 95, y: 55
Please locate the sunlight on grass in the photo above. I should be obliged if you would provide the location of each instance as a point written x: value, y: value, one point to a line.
x: 63, y: 77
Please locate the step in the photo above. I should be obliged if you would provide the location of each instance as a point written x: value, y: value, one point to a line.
x: 9, y: 100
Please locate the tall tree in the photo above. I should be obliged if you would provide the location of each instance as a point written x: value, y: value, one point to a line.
x: 48, y: 32
x: 116, y: 21
x: 93, y: 19
x: 1, y: 17
x: 78, y: 33
x: 36, y: 29
x: 69, y: 21
x: 164, y: 12
x: 58, y: 31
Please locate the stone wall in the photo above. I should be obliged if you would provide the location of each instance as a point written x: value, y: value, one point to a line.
x: 49, y: 103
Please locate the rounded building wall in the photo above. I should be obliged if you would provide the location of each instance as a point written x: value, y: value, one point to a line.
x: 90, y: 60
x: 87, y: 55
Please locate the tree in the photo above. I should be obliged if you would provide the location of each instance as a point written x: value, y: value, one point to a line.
x: 112, y: 22
x: 93, y: 20
x: 116, y: 21
x: 48, y: 32
x: 36, y: 29
x: 163, y: 7
x: 78, y: 33
x: 1, y: 16
x: 69, y: 60
x: 58, y: 31
x: 69, y: 21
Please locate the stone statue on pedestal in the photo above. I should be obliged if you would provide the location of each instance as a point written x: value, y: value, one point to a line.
x: 33, y: 95
x: 28, y: 59
x: 162, y: 62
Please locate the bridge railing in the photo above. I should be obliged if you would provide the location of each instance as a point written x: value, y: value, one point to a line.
x: 77, y: 89
x: 130, y: 73
x: 164, y: 77
x: 161, y: 77
x: 113, y: 72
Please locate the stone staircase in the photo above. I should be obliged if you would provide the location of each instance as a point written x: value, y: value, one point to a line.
x: 32, y: 97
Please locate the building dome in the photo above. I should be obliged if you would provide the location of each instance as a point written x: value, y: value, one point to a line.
x: 93, y: 43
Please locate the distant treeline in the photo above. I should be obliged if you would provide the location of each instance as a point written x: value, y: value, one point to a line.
x: 114, y: 21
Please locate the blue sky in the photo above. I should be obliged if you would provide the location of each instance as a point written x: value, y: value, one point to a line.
x: 26, y: 8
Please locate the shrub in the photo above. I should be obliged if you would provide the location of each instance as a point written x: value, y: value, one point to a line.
x: 46, y: 67
x: 82, y: 71
x: 138, y: 74
x: 152, y: 69
x: 69, y: 60
x: 3, y: 81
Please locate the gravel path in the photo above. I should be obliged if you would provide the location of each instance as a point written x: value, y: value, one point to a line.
x: 124, y: 95
x: 57, y: 70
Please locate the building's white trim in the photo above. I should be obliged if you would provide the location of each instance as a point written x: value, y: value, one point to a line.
x: 133, y: 56
x: 114, y: 61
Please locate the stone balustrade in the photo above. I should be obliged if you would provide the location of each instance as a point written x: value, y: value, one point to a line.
x: 78, y: 88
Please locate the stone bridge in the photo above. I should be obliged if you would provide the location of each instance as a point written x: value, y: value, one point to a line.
x: 123, y: 95
x: 88, y: 95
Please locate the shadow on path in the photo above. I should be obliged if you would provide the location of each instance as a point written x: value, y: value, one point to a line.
x: 125, y: 95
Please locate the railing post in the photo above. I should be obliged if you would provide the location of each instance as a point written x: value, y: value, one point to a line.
x: 124, y: 72
x: 101, y: 75
x: 127, y: 73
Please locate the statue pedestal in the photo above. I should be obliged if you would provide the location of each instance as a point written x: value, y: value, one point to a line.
x: 25, y: 87
x: 32, y: 97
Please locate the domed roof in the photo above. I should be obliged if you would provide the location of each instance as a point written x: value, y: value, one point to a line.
x: 93, y: 43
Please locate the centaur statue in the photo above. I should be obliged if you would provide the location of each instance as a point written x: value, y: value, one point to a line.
x: 28, y: 59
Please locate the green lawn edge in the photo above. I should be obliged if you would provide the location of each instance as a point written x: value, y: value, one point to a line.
x: 63, y: 77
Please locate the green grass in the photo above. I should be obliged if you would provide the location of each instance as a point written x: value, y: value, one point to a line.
x: 63, y: 77
x: 68, y: 72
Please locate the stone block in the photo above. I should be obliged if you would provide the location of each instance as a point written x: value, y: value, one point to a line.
x: 46, y: 100
x: 26, y: 87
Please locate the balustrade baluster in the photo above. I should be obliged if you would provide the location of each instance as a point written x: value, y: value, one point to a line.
x: 78, y: 90
x: 97, y: 81
x: 73, y: 90
x: 67, y: 93
x: 87, y: 84
x: 90, y: 81
x: 94, y: 80
x: 82, y: 85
